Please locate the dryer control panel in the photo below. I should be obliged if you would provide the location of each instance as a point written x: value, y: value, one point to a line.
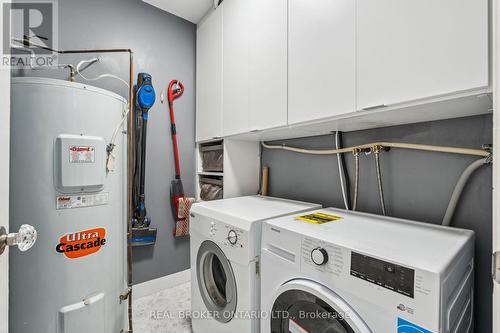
x: 231, y: 239
x: 227, y: 235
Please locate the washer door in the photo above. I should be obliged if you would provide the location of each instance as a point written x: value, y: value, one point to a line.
x: 303, y: 306
x: 216, y: 282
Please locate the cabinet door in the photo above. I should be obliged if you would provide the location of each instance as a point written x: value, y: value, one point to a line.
x: 268, y: 64
x: 254, y: 65
x: 236, y: 76
x: 4, y: 188
x: 322, y: 54
x: 413, y: 49
x: 209, y: 77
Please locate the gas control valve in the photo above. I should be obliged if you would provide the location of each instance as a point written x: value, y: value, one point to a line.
x: 25, y: 238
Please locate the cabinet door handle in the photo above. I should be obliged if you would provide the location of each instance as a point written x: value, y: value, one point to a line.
x: 374, y: 107
x: 255, y: 131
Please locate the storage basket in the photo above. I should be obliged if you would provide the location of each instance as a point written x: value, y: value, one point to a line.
x: 212, y: 158
x: 210, y: 188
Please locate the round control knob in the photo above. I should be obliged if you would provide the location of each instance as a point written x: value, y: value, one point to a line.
x: 319, y: 256
x: 232, y: 237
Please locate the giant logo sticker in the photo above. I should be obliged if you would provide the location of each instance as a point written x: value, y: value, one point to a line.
x: 82, y: 243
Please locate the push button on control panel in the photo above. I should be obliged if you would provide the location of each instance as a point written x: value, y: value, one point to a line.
x: 213, y: 229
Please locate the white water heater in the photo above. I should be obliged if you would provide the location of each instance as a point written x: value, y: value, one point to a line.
x: 71, y: 280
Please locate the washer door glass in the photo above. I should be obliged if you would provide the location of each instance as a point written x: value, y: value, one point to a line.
x: 216, y: 282
x: 304, y: 309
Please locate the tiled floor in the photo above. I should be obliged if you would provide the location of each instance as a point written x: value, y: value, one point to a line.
x: 164, y: 312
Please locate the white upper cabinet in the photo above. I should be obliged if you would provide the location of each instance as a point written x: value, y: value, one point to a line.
x: 254, y: 65
x: 236, y: 76
x: 322, y: 59
x: 209, y: 77
x: 267, y: 64
x: 414, y: 49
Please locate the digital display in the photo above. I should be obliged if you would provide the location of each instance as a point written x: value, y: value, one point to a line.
x: 385, y: 274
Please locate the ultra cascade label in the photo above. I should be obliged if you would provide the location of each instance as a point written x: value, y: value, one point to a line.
x: 82, y: 243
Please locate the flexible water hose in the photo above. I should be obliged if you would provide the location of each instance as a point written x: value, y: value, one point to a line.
x: 457, y: 192
x: 356, y: 181
x: 102, y: 76
x: 379, y: 180
x: 413, y: 146
x: 110, y: 161
x: 341, y: 172
x: 120, y: 125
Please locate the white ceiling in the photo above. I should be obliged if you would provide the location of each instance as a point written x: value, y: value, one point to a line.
x: 191, y: 10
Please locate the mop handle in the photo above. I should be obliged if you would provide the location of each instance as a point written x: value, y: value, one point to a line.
x: 175, y: 90
x: 174, y: 142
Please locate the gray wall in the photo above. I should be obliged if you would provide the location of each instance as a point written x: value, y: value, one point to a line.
x: 417, y: 184
x: 164, y: 46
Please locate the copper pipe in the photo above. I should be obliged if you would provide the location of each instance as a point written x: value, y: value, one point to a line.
x: 129, y: 194
x: 27, y: 42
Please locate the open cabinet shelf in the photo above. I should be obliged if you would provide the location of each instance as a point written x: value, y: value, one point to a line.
x: 239, y: 170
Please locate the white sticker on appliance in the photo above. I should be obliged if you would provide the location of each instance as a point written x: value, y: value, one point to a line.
x: 81, y: 154
x: 294, y: 327
x: 80, y: 201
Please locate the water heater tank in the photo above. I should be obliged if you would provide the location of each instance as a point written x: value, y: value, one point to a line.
x: 71, y: 280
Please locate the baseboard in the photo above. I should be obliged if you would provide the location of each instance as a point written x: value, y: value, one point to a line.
x: 150, y: 287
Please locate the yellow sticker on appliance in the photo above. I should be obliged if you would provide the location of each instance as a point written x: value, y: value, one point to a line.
x: 318, y: 218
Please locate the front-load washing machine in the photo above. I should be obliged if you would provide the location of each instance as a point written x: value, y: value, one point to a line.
x: 334, y: 271
x: 225, y: 249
